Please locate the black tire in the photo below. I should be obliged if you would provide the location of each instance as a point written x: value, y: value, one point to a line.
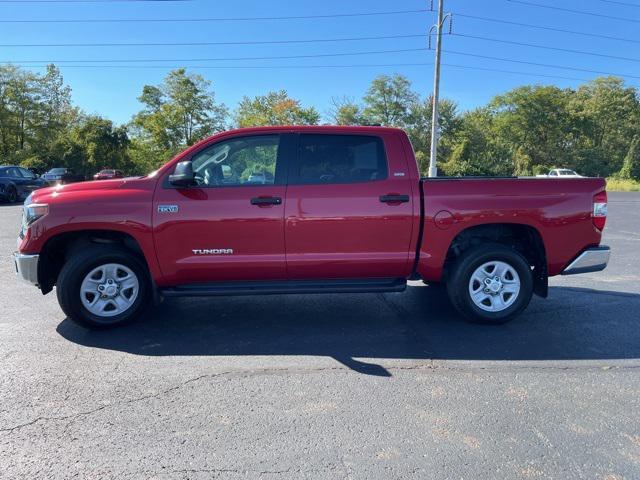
x: 78, y: 266
x: 12, y: 195
x: 460, y: 276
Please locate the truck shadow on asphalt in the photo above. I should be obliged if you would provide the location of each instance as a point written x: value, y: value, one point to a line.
x: 419, y: 324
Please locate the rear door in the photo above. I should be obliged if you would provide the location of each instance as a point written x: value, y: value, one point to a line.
x: 349, y: 208
x: 230, y: 226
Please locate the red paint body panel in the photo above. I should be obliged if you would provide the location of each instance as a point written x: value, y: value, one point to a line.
x: 220, y: 218
x: 560, y: 210
x: 344, y: 231
x: 319, y: 231
x: 122, y: 205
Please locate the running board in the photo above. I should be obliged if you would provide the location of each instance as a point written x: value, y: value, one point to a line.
x: 286, y: 287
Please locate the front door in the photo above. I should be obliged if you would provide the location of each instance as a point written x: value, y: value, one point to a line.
x: 230, y: 226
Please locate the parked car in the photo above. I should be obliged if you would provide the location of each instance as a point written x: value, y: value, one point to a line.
x: 61, y: 176
x: 16, y: 183
x: 346, y: 211
x: 562, y: 172
x: 108, y: 174
x: 260, y: 178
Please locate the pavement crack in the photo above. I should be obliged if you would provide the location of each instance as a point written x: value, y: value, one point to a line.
x: 75, y: 416
x: 429, y: 366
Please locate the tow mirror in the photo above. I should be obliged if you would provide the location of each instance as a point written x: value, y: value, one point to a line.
x: 183, y: 176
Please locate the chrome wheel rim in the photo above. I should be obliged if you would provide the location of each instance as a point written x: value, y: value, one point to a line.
x: 494, y: 286
x: 109, y: 290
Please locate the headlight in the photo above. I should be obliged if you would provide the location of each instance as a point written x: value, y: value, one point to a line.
x: 33, y: 212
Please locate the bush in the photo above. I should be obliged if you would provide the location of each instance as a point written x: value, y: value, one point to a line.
x: 631, y: 166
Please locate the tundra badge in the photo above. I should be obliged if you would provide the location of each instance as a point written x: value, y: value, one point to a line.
x: 213, y: 251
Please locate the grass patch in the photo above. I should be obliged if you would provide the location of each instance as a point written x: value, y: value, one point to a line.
x: 619, y: 185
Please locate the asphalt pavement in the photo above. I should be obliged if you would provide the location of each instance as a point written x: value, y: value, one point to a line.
x: 369, y: 386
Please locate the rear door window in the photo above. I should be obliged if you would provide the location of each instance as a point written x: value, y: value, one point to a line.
x: 331, y: 159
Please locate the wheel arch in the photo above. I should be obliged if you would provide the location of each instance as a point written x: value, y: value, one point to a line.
x: 57, y: 250
x: 523, y: 238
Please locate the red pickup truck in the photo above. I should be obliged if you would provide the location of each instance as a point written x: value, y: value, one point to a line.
x: 306, y: 210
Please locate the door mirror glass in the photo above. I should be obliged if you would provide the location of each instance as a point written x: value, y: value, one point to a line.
x: 183, y: 176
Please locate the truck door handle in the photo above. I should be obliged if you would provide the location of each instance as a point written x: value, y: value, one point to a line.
x: 394, y: 198
x: 266, y: 201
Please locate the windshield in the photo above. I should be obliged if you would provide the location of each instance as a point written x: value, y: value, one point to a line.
x: 57, y: 171
x: 567, y: 172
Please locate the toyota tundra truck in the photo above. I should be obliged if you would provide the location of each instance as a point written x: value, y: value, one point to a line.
x: 320, y: 209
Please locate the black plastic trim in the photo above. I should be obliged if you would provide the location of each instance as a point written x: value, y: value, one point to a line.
x: 414, y: 271
x: 395, y: 198
x: 287, y: 287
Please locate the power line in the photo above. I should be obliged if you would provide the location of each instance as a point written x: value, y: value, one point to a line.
x: 469, y: 67
x: 69, y: 63
x: 191, y: 44
x: 544, y: 47
x: 218, y: 19
x: 617, y: 2
x: 569, y: 10
x: 295, y: 67
x: 543, y: 27
x: 277, y: 57
x: 90, y: 1
x: 537, y: 64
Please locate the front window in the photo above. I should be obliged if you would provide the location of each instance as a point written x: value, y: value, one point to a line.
x: 238, y: 161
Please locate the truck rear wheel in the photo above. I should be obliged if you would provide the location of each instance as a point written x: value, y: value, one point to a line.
x: 103, y: 287
x: 490, y: 284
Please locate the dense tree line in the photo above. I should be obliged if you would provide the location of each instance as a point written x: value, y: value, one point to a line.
x: 594, y: 129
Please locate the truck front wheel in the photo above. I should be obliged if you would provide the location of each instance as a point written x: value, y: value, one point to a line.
x: 490, y: 284
x: 103, y: 287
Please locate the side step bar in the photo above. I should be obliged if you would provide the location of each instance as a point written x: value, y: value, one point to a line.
x: 286, y: 287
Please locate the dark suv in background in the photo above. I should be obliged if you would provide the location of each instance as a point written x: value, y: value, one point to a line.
x: 16, y: 183
x: 62, y: 176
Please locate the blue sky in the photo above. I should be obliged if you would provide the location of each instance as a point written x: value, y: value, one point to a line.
x: 112, y: 92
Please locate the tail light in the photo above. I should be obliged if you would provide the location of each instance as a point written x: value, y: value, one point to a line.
x: 599, y: 213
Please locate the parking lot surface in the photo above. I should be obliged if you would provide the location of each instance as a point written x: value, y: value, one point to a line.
x: 371, y: 386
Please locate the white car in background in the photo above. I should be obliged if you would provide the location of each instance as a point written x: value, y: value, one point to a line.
x: 562, y: 173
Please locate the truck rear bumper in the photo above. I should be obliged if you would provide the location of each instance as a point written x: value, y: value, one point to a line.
x: 591, y: 260
x: 27, y: 267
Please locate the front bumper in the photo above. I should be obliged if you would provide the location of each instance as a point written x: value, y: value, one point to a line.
x: 27, y: 267
x: 591, y: 260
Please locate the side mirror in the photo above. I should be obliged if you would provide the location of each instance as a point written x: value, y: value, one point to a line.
x: 183, y: 176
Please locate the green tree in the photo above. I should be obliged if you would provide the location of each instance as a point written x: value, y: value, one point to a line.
x: 55, y: 111
x: 345, y: 111
x: 631, y: 166
x: 388, y: 100
x: 178, y: 113
x: 474, y: 149
x: 418, y: 127
x: 535, y: 122
x: 605, y: 118
x: 274, y: 108
x: 104, y: 145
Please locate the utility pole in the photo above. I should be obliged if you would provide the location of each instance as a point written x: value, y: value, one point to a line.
x: 433, y: 169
